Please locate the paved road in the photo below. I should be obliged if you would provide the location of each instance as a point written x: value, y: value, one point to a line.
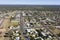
x: 2, y: 21
x: 22, y: 27
x: 46, y: 26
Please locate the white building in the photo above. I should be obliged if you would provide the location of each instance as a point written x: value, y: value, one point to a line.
x: 57, y: 27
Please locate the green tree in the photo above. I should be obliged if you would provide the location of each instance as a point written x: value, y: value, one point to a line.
x: 32, y: 38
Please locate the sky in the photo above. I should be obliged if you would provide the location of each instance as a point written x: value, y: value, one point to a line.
x: 31, y: 2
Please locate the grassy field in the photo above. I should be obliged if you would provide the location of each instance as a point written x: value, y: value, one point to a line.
x: 4, y: 28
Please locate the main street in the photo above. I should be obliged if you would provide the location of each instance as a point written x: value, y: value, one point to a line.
x: 22, y: 27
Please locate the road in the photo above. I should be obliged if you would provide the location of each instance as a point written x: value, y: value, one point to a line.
x: 2, y: 20
x: 22, y: 27
x: 46, y: 26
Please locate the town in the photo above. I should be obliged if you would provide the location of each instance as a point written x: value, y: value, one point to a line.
x: 29, y: 24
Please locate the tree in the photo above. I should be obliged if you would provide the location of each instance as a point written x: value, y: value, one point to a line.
x: 32, y: 38
x: 58, y: 34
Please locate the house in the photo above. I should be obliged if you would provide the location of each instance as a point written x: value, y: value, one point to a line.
x: 33, y: 21
x: 39, y: 38
x: 44, y: 34
x: 57, y: 27
x: 17, y: 38
x: 28, y: 24
x: 33, y: 32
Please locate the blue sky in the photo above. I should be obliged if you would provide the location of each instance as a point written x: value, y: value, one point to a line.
x: 31, y: 2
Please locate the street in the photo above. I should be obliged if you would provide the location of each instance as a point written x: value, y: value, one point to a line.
x: 22, y: 27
